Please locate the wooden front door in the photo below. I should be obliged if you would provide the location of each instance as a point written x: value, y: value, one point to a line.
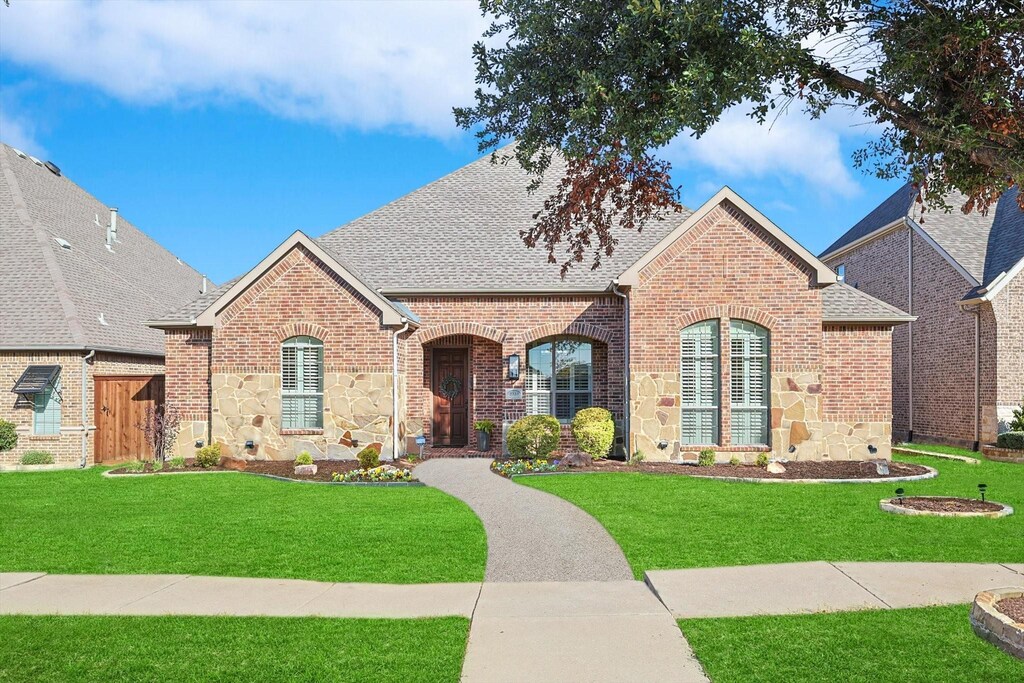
x: 121, y: 404
x: 450, y: 387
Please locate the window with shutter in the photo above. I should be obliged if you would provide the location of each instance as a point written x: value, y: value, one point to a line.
x: 749, y: 385
x: 46, y: 410
x: 699, y: 383
x: 302, y: 383
x: 559, y: 377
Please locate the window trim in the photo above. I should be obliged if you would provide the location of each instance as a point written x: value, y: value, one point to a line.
x: 745, y: 407
x: 552, y: 391
x: 301, y: 343
x: 715, y: 408
x: 52, y: 396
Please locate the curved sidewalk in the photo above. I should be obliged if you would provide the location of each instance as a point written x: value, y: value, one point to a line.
x: 531, y: 535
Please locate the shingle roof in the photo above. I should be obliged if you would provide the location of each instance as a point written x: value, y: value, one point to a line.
x: 984, y: 246
x: 842, y: 303
x: 461, y: 232
x: 54, y: 297
x: 187, y: 313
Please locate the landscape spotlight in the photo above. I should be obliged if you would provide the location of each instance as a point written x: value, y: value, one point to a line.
x: 981, y: 489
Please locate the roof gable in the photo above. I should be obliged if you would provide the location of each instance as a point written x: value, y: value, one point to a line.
x: 391, y: 313
x: 631, y: 276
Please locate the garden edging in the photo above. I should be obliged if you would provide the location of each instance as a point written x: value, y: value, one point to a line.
x: 111, y: 475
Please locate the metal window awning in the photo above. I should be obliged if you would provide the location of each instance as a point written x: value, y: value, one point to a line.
x: 36, y: 379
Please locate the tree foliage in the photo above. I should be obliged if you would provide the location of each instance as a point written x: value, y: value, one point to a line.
x: 607, y: 83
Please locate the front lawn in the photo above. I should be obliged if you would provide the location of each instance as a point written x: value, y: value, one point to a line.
x: 95, y: 648
x: 925, y: 645
x: 78, y: 522
x: 671, y: 522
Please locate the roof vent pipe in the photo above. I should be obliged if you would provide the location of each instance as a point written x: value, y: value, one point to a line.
x: 112, y: 228
x: 202, y: 290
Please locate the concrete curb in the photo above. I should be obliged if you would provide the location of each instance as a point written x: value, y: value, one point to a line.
x: 931, y: 454
x: 269, y: 476
x: 39, y: 468
x: 887, y: 505
x: 930, y: 474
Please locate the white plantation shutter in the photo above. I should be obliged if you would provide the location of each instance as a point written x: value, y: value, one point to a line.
x: 559, y: 377
x: 749, y: 386
x: 699, y: 383
x: 302, y: 383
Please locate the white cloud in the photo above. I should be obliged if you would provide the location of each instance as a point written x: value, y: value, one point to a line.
x: 367, y: 65
x: 793, y: 146
x: 19, y: 132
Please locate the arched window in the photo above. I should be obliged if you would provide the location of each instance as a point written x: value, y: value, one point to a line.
x: 302, y: 383
x: 749, y: 388
x: 559, y: 377
x: 699, y: 383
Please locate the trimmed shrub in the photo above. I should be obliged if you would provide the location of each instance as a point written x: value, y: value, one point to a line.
x: 369, y: 457
x: 208, y: 456
x: 533, y: 436
x: 762, y: 460
x: 36, y: 458
x: 706, y: 458
x: 8, y: 435
x: 734, y: 461
x: 304, y: 458
x: 594, y: 431
x: 1016, y: 423
x: 1014, y: 440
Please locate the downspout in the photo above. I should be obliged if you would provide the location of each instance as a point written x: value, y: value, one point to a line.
x: 910, y: 335
x: 976, y: 310
x: 85, y: 409
x: 394, y: 387
x: 625, y: 362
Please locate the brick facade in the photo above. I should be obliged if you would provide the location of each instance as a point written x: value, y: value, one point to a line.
x: 66, y: 447
x: 933, y: 358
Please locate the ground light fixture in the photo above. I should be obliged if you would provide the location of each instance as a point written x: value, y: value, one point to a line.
x: 899, y: 495
x: 981, y: 489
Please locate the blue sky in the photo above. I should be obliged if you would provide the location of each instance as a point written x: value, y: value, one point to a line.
x: 219, y: 128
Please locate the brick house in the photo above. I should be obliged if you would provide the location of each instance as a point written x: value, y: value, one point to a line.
x: 77, y: 365
x: 958, y: 369
x: 710, y: 328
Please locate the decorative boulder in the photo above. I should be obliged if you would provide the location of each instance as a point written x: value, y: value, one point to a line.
x: 882, y: 468
x: 309, y: 470
x: 233, y: 464
x: 775, y: 468
x: 577, y: 460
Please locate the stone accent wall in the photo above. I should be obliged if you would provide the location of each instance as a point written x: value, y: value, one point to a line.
x: 357, y: 413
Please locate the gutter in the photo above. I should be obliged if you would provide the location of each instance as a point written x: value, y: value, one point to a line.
x: 430, y: 291
x: 85, y: 411
x: 627, y: 434
x: 89, y: 349
x: 394, y: 387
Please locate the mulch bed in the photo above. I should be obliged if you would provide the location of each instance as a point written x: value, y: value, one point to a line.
x: 277, y: 468
x: 794, y: 470
x: 1013, y: 608
x: 942, y: 504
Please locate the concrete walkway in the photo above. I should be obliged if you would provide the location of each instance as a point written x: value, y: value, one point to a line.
x: 531, y: 535
x: 806, y: 587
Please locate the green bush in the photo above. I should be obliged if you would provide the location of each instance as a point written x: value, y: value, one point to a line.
x: 706, y: 458
x: 369, y: 457
x: 762, y: 460
x: 637, y: 457
x: 304, y: 458
x: 208, y: 456
x: 8, y: 435
x: 36, y: 458
x: 1014, y: 440
x: 158, y: 465
x: 533, y: 436
x: 135, y: 466
x: 734, y: 461
x: 594, y: 431
x: 484, y: 426
x: 1016, y: 423
x: 177, y: 462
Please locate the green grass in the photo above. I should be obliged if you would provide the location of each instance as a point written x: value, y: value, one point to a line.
x: 939, y: 448
x: 235, y: 525
x: 669, y: 522
x: 94, y: 648
x: 926, y: 645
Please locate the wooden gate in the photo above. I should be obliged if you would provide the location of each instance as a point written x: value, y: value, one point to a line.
x: 121, y: 403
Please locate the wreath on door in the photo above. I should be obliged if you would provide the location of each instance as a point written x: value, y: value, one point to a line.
x: 450, y: 387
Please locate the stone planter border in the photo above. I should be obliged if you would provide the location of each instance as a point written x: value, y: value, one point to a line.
x: 994, y: 626
x: 887, y: 505
x: 997, y: 454
x: 931, y: 473
x: 932, y: 454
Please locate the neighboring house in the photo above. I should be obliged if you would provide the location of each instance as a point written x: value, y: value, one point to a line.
x: 77, y: 366
x: 958, y: 369
x: 718, y: 328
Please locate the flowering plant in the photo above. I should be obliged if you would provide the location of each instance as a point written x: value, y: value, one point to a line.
x: 382, y: 473
x: 510, y: 468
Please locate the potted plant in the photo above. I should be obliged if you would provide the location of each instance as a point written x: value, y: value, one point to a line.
x: 483, y: 434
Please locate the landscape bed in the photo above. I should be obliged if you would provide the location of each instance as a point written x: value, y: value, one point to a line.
x: 795, y: 470
x: 284, y: 469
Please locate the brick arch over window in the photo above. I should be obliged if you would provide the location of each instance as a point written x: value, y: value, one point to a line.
x: 425, y: 335
x: 576, y: 328
x: 301, y: 329
x: 733, y: 311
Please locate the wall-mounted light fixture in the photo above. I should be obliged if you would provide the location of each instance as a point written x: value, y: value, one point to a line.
x: 513, y: 366
x: 250, y: 445
x: 199, y: 443
x: 663, y: 444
